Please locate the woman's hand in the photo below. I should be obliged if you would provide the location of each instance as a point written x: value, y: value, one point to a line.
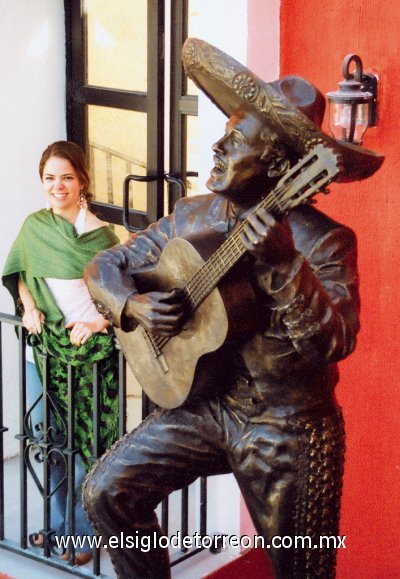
x: 33, y: 320
x: 82, y: 331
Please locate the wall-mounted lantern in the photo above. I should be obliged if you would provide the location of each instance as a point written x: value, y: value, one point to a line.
x: 352, y: 108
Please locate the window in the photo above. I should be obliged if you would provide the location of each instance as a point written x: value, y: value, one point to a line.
x: 123, y: 71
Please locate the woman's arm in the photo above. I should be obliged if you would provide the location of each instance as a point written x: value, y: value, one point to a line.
x: 32, y: 317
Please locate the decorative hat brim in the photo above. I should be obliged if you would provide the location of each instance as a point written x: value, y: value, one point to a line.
x: 230, y: 85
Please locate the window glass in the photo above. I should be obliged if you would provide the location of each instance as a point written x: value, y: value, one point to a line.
x: 121, y: 232
x: 117, y: 145
x: 116, y: 37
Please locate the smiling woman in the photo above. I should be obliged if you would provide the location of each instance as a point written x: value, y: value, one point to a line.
x: 65, y: 177
x: 44, y: 272
x: 62, y: 186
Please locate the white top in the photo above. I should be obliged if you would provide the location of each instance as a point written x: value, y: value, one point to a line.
x: 80, y: 222
x: 73, y: 299
x: 71, y: 295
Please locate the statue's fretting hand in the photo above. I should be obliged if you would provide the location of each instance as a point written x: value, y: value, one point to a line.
x: 268, y: 239
x: 160, y: 313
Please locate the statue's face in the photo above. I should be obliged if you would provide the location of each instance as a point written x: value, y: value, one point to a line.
x: 239, y: 172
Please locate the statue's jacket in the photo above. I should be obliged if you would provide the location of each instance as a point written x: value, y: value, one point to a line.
x: 310, y: 319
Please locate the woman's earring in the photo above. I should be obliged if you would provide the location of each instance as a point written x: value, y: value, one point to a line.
x: 82, y: 203
x: 48, y: 205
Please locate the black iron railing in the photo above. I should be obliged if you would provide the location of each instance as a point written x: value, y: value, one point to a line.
x: 38, y: 451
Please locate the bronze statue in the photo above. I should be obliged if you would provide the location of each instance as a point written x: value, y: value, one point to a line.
x: 260, y: 401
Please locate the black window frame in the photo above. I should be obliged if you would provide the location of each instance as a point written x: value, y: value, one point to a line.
x: 79, y: 94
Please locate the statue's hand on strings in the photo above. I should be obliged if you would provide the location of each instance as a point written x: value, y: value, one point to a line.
x: 161, y: 313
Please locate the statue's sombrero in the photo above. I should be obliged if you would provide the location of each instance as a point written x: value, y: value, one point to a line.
x: 291, y: 106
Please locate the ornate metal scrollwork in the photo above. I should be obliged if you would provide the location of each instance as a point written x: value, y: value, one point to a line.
x: 45, y: 445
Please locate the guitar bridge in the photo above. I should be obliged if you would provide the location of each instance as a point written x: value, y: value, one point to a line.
x: 163, y: 363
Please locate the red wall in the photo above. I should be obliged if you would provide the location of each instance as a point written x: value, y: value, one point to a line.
x: 315, y: 37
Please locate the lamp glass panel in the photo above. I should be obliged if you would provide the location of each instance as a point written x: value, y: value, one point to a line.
x: 340, y: 117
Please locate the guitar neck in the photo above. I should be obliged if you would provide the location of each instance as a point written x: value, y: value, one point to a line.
x: 298, y: 185
x: 218, y: 265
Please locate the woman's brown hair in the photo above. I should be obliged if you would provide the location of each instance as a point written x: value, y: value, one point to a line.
x: 72, y: 153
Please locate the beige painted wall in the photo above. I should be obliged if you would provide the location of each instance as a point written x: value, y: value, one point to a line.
x: 32, y: 104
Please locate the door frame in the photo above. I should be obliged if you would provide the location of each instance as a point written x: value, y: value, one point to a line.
x: 79, y: 94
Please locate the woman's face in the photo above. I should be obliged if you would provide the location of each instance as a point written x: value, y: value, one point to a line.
x: 62, y: 185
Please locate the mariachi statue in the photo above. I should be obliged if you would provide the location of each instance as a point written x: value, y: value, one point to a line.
x: 244, y: 372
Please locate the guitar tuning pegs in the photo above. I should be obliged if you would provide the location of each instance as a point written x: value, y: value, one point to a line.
x: 312, y: 201
x: 325, y: 191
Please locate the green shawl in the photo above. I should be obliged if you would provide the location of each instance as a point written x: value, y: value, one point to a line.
x: 49, y: 246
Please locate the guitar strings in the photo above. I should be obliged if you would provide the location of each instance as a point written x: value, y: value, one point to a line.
x: 223, y: 259
x: 232, y: 249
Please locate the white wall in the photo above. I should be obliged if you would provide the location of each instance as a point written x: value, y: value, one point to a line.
x: 32, y: 105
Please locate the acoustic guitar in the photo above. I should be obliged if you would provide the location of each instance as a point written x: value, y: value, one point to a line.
x: 181, y: 368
